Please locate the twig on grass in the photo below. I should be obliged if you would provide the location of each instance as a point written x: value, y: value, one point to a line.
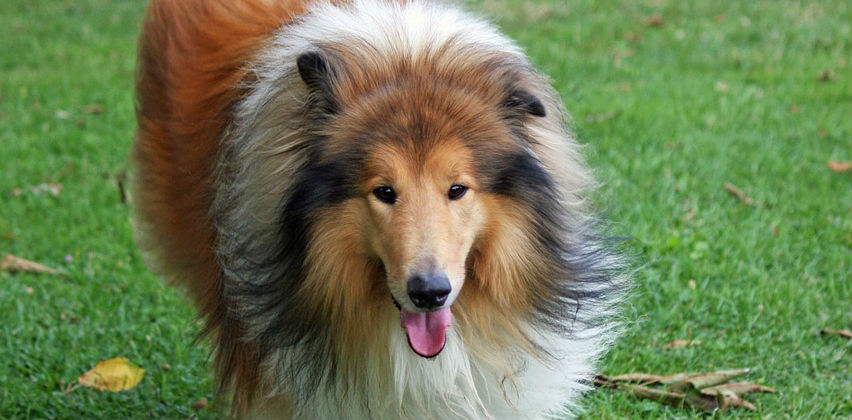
x: 739, y: 194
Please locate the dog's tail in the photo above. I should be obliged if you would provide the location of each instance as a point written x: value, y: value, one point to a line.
x: 192, y: 64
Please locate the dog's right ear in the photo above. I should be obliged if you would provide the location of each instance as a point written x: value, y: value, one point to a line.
x: 318, y: 74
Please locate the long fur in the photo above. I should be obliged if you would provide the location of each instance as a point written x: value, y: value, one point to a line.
x: 248, y: 197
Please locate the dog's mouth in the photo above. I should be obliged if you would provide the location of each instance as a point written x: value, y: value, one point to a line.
x: 426, y: 331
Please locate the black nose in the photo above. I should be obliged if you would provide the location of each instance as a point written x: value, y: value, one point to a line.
x: 428, y: 290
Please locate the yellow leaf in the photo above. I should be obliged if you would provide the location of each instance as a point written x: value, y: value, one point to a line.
x: 113, y: 375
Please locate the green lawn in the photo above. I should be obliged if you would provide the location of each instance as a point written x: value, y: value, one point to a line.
x: 671, y: 109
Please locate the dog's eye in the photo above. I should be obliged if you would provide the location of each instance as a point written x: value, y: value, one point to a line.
x: 385, y: 194
x: 456, y: 192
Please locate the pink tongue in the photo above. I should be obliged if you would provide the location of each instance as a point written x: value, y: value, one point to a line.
x: 427, y: 331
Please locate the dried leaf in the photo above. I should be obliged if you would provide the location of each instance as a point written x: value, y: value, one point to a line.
x: 683, y: 343
x: 839, y: 166
x: 704, y: 380
x: 650, y: 379
x: 738, y: 388
x: 602, y: 381
x: 727, y: 399
x: 201, y: 404
x: 692, y: 284
x: 707, y: 392
x: 654, y: 20
x: 14, y: 264
x: 114, y: 375
x: 826, y: 75
x: 842, y: 333
x: 678, y: 399
x: 636, y: 377
x: 736, y: 192
x: 93, y: 109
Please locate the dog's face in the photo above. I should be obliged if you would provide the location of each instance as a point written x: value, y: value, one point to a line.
x: 424, y: 214
x: 425, y: 162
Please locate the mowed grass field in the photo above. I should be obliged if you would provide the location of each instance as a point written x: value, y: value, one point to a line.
x: 673, y: 99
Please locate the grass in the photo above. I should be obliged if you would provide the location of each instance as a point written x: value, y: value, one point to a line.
x: 719, y: 92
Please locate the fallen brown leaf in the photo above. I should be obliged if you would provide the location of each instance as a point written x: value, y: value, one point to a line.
x: 727, y: 399
x: 708, y: 392
x: 114, y: 375
x: 842, y: 333
x: 683, y: 343
x: 736, y: 192
x: 826, y: 75
x: 839, y: 166
x: 738, y: 388
x: 93, y: 109
x: 14, y: 264
x: 654, y: 20
x: 201, y: 404
x: 636, y: 377
x: 692, y: 284
x: 651, y: 379
x: 705, y: 380
x: 677, y: 399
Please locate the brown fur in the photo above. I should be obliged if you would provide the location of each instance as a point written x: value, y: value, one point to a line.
x: 192, y: 58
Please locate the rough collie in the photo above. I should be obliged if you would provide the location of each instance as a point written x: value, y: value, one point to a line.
x: 376, y: 206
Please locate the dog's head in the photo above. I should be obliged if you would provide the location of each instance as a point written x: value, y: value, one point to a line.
x: 427, y: 156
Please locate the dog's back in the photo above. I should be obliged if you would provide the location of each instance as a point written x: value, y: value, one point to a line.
x: 192, y: 64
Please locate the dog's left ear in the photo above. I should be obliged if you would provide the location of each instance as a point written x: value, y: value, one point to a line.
x: 318, y: 74
x: 525, y: 102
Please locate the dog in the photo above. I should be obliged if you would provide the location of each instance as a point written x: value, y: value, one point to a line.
x: 376, y: 206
